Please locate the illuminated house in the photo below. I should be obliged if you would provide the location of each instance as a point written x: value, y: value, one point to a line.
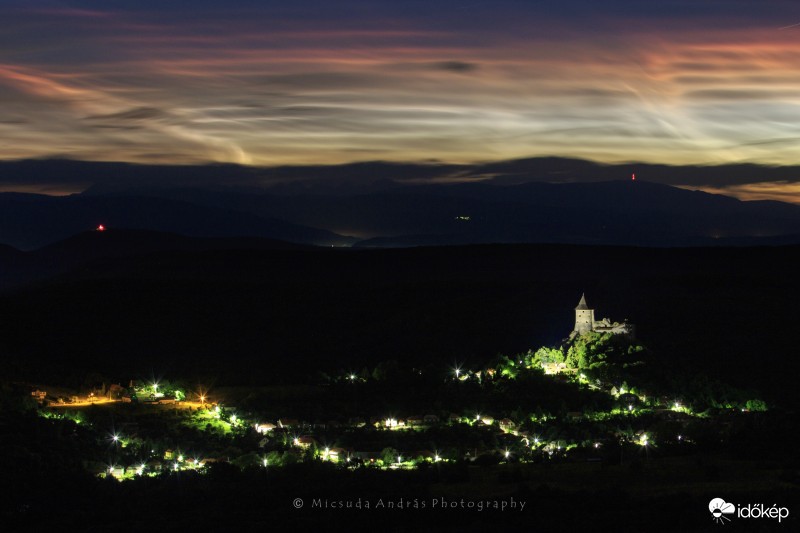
x: 585, y: 322
x: 264, y: 427
x: 305, y: 441
x: 506, y: 424
x: 338, y: 455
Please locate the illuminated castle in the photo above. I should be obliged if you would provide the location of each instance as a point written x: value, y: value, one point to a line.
x: 585, y: 322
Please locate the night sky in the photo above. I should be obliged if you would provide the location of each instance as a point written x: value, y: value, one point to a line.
x: 322, y: 82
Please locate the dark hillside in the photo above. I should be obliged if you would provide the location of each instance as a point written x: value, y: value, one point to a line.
x: 253, y: 315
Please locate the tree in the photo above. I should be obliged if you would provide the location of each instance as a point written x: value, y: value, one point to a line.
x: 248, y: 460
x: 546, y: 355
x: 389, y: 455
x: 755, y: 405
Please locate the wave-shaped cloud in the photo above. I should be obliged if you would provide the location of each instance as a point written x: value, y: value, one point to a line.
x: 318, y: 82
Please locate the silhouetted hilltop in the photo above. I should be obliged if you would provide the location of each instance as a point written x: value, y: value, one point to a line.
x: 8, y: 251
x: 115, y: 244
x: 89, y: 245
x: 30, y: 221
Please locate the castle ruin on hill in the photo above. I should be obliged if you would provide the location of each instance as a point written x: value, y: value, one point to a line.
x: 585, y: 322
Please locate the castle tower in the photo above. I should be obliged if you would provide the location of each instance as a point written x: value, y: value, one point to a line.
x: 584, y: 317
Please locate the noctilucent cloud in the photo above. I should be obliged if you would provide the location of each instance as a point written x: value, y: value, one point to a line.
x: 265, y: 83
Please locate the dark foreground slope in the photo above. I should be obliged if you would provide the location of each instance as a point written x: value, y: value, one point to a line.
x: 262, y: 316
x: 251, y: 313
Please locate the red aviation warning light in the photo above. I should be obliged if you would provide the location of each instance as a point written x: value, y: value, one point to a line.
x: 633, y: 177
x: 100, y: 228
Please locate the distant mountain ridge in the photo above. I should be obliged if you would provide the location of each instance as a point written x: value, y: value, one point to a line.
x: 31, y: 221
x: 379, y: 204
x: 95, y: 177
x: 616, y: 213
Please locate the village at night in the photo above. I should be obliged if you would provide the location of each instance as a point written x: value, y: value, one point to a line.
x: 590, y: 400
x: 596, y: 404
